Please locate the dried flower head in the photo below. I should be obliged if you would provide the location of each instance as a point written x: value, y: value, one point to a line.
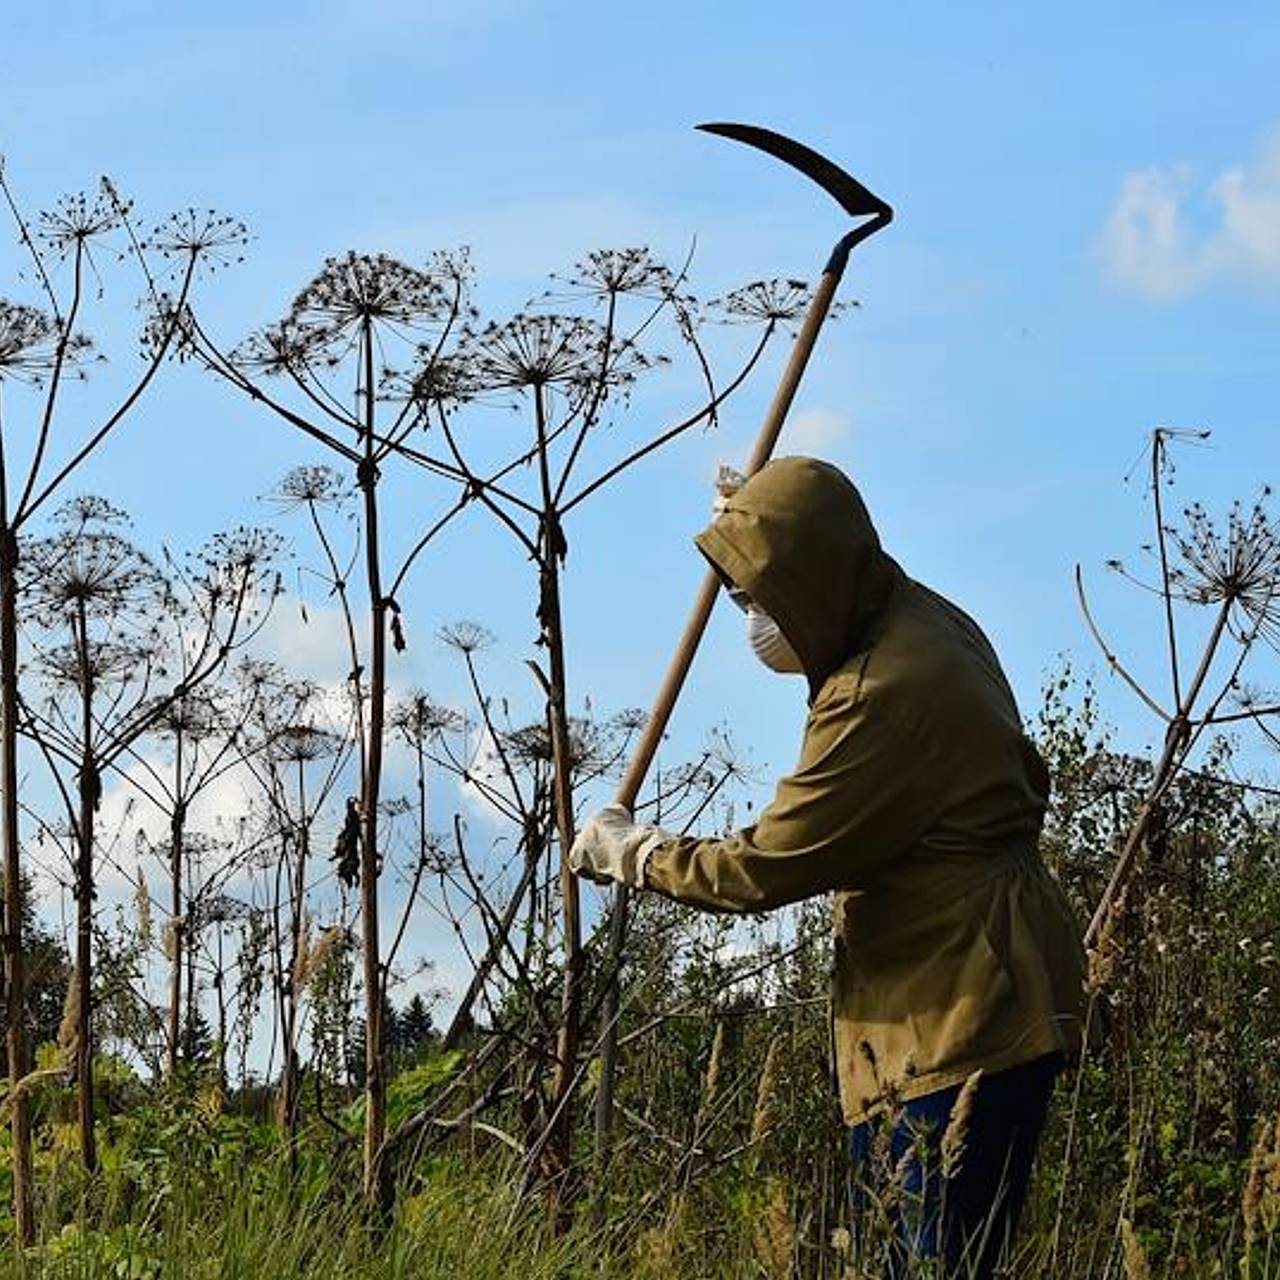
x: 311, y: 486
x: 1237, y: 565
x: 303, y: 743
x: 78, y: 219
x: 200, y: 238
x: 531, y: 351
x: 438, y: 381
x: 590, y: 744
x: 765, y: 302
x: 87, y: 569
x: 766, y: 1089
x: 574, y: 356
x: 313, y: 956
x: 610, y: 272
x: 280, y: 348
x: 375, y: 289
x: 168, y: 327
x: 711, y: 1082
x: 30, y: 341
x: 238, y: 566
x: 197, y: 714
x: 419, y: 719
x: 956, y: 1135
x: 466, y: 637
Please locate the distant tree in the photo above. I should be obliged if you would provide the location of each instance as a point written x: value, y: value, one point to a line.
x: 415, y: 1033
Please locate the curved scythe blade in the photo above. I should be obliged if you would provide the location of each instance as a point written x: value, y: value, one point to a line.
x: 851, y: 195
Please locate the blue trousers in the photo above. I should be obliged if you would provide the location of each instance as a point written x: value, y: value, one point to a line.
x: 967, y: 1219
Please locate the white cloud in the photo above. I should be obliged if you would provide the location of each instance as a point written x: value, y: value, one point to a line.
x: 1154, y: 243
x: 309, y: 640
x: 815, y: 431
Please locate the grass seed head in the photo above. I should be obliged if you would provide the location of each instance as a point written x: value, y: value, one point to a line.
x: 955, y: 1137
x: 1136, y: 1266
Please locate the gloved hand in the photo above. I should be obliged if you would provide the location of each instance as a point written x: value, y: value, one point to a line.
x: 611, y: 846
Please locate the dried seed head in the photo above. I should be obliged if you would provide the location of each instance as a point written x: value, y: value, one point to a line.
x: 1255, y: 1182
x: 311, y: 959
x: 1136, y: 1266
x: 30, y: 341
x: 608, y: 272
x: 775, y: 1236
x: 762, y: 1116
x: 142, y: 904
x: 69, y: 1027
x: 1237, y: 566
x: 1105, y: 951
x: 765, y: 302
x: 956, y: 1134
x: 712, y: 1081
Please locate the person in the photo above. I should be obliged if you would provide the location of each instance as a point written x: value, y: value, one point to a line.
x: 918, y: 800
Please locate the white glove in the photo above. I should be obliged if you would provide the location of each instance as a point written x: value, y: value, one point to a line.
x: 613, y: 847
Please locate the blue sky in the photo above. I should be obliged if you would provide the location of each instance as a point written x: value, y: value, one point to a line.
x: 1087, y: 245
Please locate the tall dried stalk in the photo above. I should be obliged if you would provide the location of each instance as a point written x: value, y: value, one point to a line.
x: 335, y: 352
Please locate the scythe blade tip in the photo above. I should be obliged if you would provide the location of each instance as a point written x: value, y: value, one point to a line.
x: 848, y: 192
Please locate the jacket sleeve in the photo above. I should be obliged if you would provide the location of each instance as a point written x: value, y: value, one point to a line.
x: 857, y: 799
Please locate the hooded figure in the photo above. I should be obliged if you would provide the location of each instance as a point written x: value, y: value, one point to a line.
x: 917, y: 801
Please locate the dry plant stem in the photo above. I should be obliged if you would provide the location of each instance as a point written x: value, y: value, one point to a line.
x: 1176, y: 745
x: 376, y: 1185
x: 557, y: 1146
x: 85, y: 892
x: 706, y: 412
x: 177, y: 837
x: 664, y: 705
x: 291, y: 1091
x: 1171, y: 632
x: 14, y: 956
x: 420, y: 862
x: 1112, y: 661
x: 461, y: 1021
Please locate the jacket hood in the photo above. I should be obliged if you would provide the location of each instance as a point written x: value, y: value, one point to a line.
x: 796, y: 537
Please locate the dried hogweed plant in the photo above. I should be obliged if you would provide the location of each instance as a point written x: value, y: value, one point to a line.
x: 70, y: 250
x: 123, y: 648
x: 1231, y: 570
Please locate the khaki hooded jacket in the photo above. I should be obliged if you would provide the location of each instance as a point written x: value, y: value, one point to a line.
x: 917, y: 799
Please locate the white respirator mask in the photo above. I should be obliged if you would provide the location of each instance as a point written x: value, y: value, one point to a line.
x: 769, y: 644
